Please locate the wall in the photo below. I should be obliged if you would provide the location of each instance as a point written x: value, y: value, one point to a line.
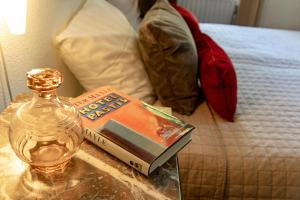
x: 247, y: 12
x: 283, y: 14
x: 35, y: 48
x: 4, y: 93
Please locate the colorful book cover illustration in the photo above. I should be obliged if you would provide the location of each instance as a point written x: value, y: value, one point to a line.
x: 137, y: 127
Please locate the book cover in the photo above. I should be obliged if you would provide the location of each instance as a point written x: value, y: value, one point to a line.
x: 135, y: 132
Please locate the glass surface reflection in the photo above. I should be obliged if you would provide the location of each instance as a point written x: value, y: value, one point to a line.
x: 33, y: 185
x: 88, y: 176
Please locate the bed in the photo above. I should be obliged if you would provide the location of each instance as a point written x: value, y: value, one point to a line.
x: 257, y: 156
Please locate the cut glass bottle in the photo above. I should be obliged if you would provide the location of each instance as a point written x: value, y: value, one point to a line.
x: 46, y: 132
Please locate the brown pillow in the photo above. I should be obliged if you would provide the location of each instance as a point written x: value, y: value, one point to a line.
x: 170, y: 57
x: 145, y: 5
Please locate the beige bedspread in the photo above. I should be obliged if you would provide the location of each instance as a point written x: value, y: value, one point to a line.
x: 202, y: 163
x: 263, y: 146
x: 257, y: 156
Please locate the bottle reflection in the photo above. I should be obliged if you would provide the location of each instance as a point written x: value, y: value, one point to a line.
x: 34, y: 185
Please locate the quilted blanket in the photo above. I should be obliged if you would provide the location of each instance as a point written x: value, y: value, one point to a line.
x: 257, y: 156
x: 202, y: 163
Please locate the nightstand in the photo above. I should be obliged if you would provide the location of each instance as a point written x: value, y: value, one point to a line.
x: 91, y: 174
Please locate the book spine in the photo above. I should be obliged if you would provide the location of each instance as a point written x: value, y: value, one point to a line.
x: 117, y: 151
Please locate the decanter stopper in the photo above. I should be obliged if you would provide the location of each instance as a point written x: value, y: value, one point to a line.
x: 44, y: 79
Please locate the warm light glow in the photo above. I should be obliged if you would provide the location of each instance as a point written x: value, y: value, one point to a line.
x: 10, y: 163
x: 14, y: 12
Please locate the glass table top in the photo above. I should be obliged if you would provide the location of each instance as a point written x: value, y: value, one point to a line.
x: 91, y: 174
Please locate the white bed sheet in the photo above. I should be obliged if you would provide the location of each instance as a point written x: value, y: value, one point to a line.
x: 272, y: 47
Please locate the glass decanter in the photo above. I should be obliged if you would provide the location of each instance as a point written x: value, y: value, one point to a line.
x: 46, y: 132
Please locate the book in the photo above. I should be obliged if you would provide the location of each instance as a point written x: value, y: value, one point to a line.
x: 135, y: 132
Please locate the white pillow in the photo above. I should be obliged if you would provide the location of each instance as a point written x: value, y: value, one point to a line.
x: 130, y: 9
x: 100, y: 48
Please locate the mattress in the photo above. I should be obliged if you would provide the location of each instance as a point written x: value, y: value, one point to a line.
x: 261, y: 149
